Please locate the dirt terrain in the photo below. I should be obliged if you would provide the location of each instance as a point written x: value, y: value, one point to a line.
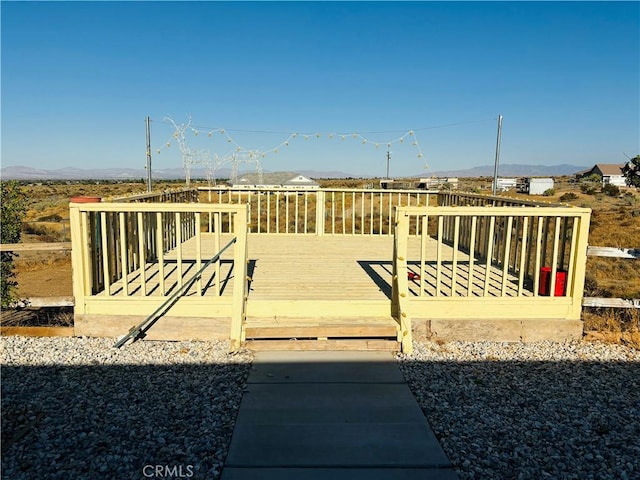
x: 45, y: 278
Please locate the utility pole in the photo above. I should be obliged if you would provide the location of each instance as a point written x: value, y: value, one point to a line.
x: 148, y: 167
x: 388, y: 159
x: 495, y: 168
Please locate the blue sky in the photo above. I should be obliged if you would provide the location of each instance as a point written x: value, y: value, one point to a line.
x: 79, y: 78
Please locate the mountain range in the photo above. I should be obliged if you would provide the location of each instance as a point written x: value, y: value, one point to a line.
x: 70, y: 173
x: 513, y: 170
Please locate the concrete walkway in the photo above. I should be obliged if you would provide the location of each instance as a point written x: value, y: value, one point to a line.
x: 335, y: 415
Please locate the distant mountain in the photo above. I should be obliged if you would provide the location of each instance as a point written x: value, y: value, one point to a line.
x: 71, y: 173
x: 512, y: 170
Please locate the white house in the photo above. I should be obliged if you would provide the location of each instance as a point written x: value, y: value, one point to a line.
x: 275, y: 182
x: 300, y: 182
x: 611, y: 173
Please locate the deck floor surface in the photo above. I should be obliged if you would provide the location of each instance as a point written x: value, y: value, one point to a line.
x: 309, y: 267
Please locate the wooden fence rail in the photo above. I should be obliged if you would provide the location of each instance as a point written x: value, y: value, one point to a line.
x: 611, y: 252
x: 35, y: 247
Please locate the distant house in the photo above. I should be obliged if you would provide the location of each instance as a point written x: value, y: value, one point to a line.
x: 438, y: 182
x: 611, y: 173
x: 301, y: 182
x: 504, y: 184
x: 535, y: 186
x: 390, y: 184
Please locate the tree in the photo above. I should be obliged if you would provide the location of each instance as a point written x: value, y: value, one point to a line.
x: 13, y: 205
x: 631, y: 171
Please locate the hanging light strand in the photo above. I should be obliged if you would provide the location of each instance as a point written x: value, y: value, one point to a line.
x: 291, y: 137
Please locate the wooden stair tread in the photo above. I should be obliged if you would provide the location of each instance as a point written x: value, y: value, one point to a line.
x: 307, y: 320
x: 320, y: 327
x: 351, y: 344
x: 315, y: 331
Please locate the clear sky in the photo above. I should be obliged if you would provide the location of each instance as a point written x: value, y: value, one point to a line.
x: 79, y: 78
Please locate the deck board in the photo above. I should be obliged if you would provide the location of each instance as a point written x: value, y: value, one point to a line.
x: 309, y: 267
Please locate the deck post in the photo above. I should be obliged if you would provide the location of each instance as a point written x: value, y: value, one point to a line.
x: 580, y: 264
x: 240, y: 227
x: 401, y: 291
x: 78, y: 253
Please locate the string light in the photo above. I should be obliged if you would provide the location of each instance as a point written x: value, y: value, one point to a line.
x: 240, y: 152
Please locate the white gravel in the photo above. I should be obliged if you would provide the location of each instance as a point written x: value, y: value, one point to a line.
x: 531, y: 411
x: 76, y: 408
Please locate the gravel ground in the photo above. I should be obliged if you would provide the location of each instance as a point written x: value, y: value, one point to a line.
x: 76, y: 408
x: 531, y: 411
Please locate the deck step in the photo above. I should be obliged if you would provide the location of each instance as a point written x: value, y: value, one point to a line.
x: 321, y: 331
x: 350, y: 344
x: 320, y: 328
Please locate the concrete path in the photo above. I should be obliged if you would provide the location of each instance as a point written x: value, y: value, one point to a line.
x: 334, y: 415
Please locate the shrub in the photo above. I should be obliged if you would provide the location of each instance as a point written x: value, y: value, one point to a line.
x: 50, y: 218
x: 13, y: 205
x: 568, y: 196
x: 31, y: 229
x: 549, y: 192
x: 611, y: 190
x: 629, y: 199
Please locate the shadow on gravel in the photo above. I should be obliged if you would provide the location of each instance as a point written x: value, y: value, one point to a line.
x: 494, y: 419
x: 113, y: 422
x: 532, y: 420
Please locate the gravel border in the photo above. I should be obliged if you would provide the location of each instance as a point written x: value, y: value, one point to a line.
x: 76, y: 408
x: 531, y: 411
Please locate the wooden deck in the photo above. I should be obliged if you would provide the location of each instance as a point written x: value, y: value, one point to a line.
x: 331, y: 268
x: 324, y: 290
x: 326, y: 284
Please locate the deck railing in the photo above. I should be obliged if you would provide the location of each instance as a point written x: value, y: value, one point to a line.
x: 124, y: 250
x: 467, y: 199
x: 319, y: 212
x: 518, y: 231
x: 177, y: 195
x: 490, y: 258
